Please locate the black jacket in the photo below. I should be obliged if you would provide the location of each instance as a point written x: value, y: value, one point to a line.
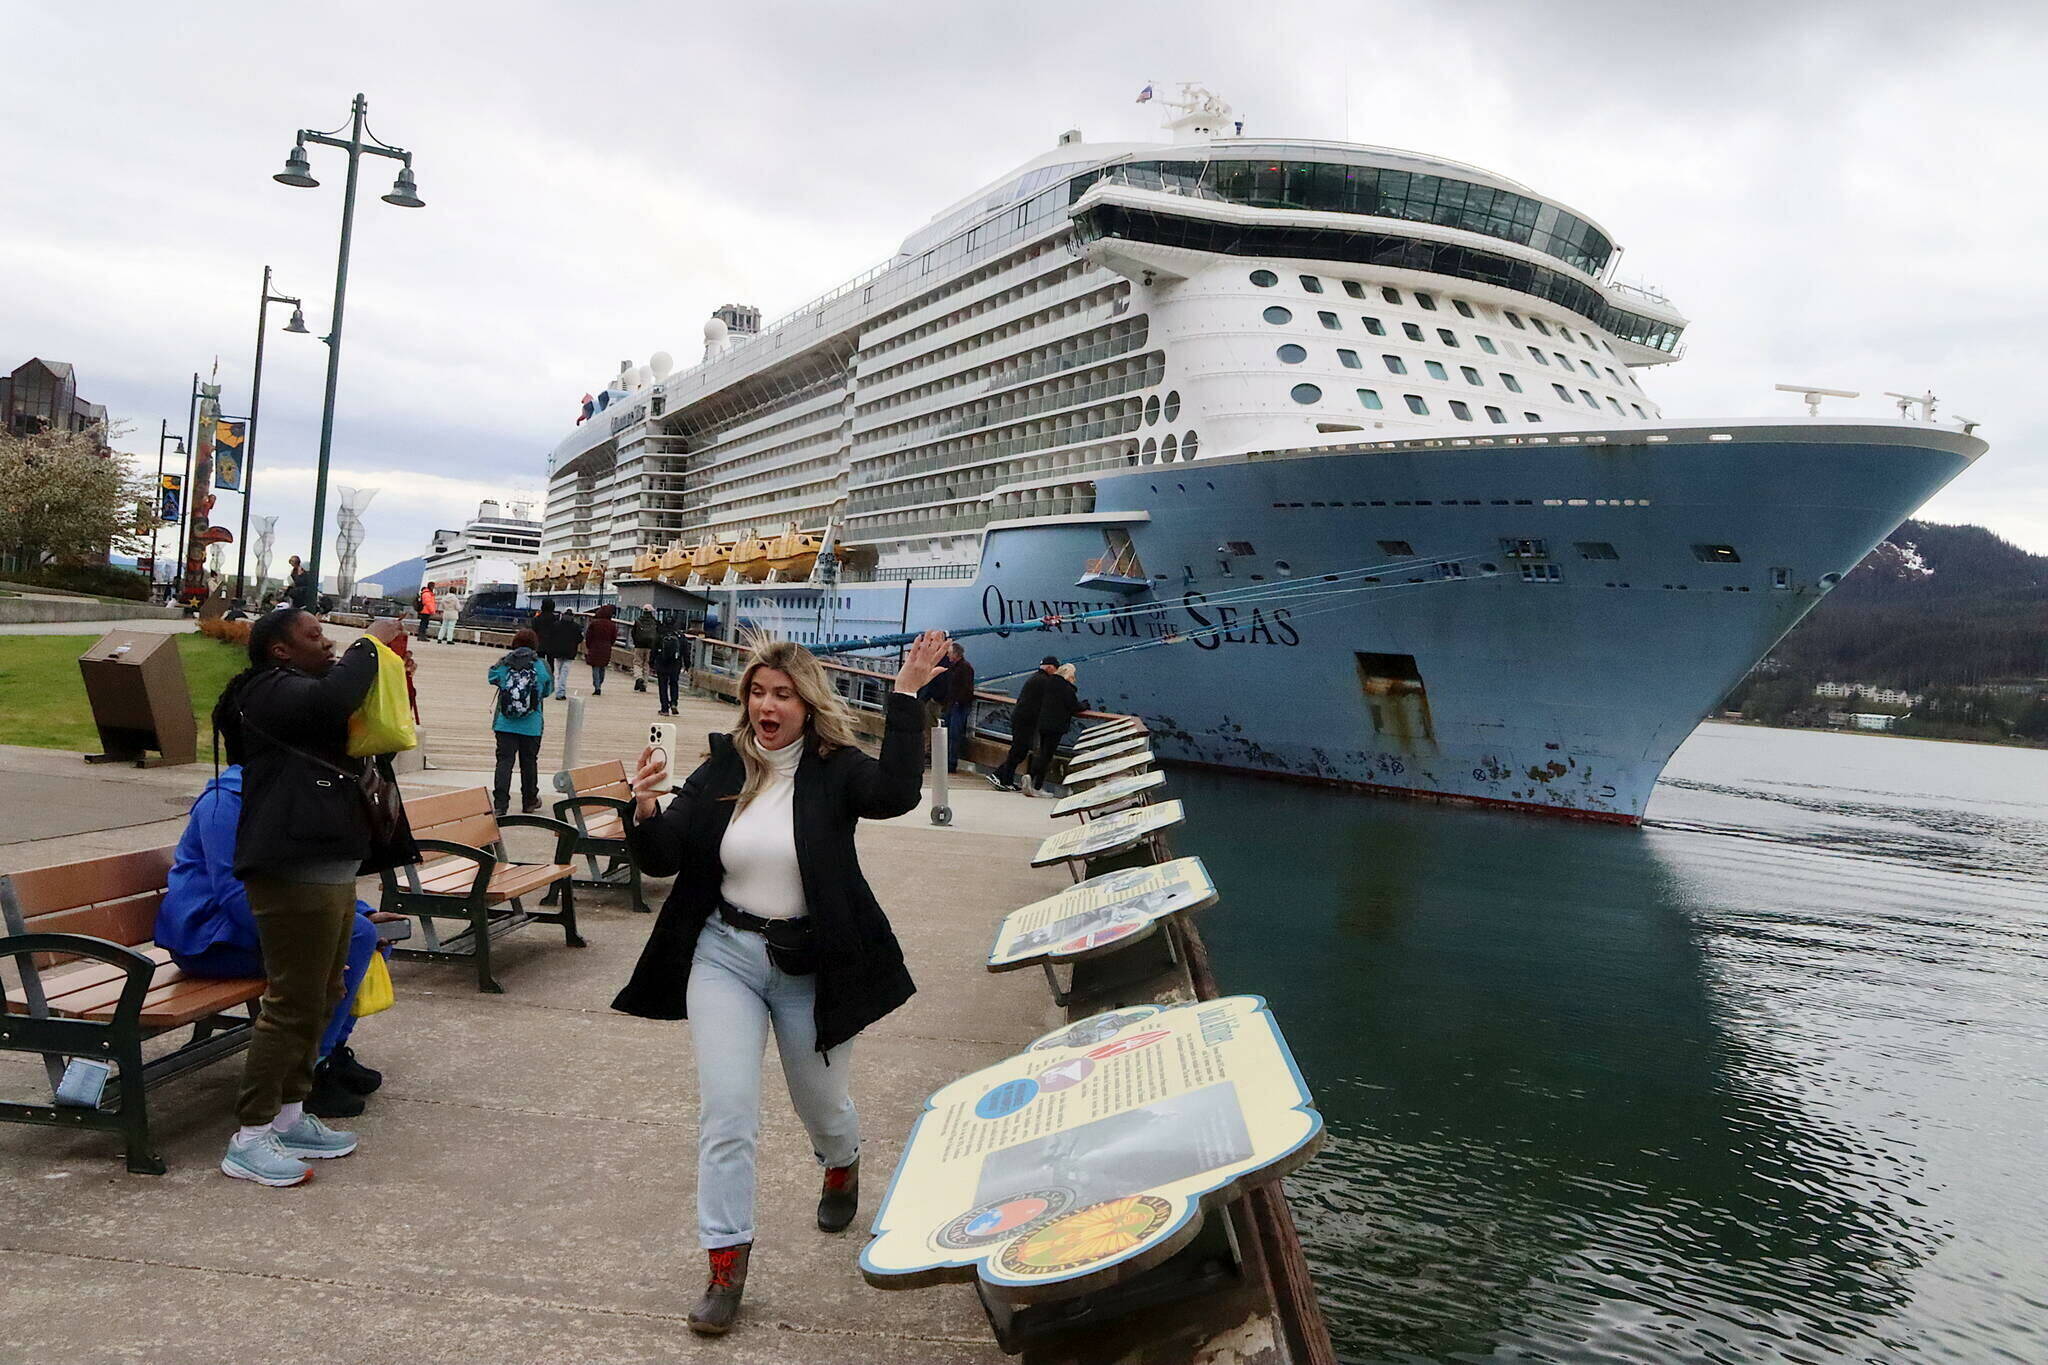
x: 861, y: 976
x: 1030, y: 697
x: 1059, y: 706
x: 644, y: 631
x: 305, y: 805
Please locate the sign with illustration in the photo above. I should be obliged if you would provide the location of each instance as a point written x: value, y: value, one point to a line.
x: 1095, y: 772
x: 1110, y: 793
x: 1092, y: 1155
x: 1101, y: 914
x: 1110, y: 834
x: 1116, y: 748
x: 1115, y: 729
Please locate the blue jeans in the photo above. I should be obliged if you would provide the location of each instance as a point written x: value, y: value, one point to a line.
x: 956, y: 735
x: 597, y: 677
x: 225, y: 960
x: 735, y: 994
x: 559, y: 668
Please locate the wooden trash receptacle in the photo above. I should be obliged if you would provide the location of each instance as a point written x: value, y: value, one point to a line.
x: 135, y: 682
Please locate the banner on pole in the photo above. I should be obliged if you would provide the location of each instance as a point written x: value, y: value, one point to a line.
x: 230, y: 433
x: 170, y: 489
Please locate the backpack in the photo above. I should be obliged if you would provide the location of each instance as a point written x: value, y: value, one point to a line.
x: 519, y: 694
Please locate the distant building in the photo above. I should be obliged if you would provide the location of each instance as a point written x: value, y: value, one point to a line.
x: 1866, y: 720
x: 1887, y: 696
x: 42, y: 395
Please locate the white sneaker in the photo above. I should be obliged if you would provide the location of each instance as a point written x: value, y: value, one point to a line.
x: 264, y: 1160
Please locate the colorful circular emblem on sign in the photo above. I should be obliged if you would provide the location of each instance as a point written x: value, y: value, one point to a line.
x: 1097, y: 939
x: 1130, y: 1044
x: 1085, y: 1237
x: 1002, y: 1218
x: 1007, y: 1098
x: 1068, y: 1073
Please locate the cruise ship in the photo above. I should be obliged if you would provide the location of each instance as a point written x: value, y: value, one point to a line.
x: 1334, y: 462
x: 491, y: 549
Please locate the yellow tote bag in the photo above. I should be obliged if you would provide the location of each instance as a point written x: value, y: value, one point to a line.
x: 374, y: 995
x: 383, y: 723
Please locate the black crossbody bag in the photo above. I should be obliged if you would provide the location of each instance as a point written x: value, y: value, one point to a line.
x: 379, y: 794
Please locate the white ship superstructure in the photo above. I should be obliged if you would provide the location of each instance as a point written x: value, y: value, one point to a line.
x: 497, y: 535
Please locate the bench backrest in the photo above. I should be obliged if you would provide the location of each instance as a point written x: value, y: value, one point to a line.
x: 114, y: 898
x: 462, y: 817
x: 599, y: 779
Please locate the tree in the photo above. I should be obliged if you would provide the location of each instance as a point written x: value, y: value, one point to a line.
x: 62, y: 499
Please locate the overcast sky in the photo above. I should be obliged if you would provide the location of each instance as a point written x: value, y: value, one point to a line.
x: 1840, y: 194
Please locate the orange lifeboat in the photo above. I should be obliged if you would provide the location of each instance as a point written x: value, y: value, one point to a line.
x: 750, y: 559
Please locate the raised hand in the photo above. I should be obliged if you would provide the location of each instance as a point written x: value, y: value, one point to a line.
x: 650, y: 781
x: 923, y: 661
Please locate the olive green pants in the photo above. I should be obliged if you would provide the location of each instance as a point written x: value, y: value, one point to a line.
x: 303, y: 929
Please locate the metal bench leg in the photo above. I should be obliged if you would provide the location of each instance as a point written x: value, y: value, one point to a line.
x: 569, y: 913
x: 142, y: 1157
x: 480, y: 937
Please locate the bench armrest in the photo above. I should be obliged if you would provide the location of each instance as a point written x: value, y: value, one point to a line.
x: 566, y: 834
x: 140, y: 969
x: 484, y: 859
x: 567, y: 810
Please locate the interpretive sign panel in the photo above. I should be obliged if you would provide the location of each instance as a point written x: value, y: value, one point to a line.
x: 1095, y: 772
x: 1116, y: 748
x: 1100, y: 915
x: 1101, y: 734
x: 1109, y: 793
x: 1110, y: 834
x: 1091, y: 1156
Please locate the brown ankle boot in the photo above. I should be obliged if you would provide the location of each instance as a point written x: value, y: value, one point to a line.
x: 713, y: 1315
x: 840, y: 1198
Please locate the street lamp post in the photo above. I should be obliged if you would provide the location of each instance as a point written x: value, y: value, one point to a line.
x: 297, y: 324
x: 185, y: 480
x: 163, y: 439
x: 404, y: 194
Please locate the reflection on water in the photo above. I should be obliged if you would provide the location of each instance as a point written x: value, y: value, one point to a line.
x: 1764, y: 1080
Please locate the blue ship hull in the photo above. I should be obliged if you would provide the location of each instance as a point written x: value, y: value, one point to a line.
x: 1605, y: 596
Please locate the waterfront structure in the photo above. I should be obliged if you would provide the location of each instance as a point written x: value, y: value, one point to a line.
x: 1889, y: 696
x: 496, y: 543
x: 1175, y: 400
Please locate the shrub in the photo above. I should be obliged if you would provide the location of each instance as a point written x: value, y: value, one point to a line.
x: 107, y: 580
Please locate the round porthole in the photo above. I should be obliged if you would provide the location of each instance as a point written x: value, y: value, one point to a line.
x: 1283, y: 566
x: 1151, y: 409
x: 1166, y: 449
x: 1291, y: 354
x: 1150, y: 451
x: 1265, y: 279
x: 1189, y: 444
x: 1306, y: 393
x: 1278, y: 315
x: 1172, y: 409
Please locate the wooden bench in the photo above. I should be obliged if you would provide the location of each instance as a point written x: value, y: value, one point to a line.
x: 127, y: 991
x: 476, y: 882
x: 598, y: 799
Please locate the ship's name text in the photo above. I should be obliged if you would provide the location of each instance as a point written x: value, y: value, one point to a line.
x: 1213, y: 625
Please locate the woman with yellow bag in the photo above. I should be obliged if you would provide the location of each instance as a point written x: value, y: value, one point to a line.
x: 315, y: 814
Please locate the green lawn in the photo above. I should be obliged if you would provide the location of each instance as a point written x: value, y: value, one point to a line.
x: 42, y: 696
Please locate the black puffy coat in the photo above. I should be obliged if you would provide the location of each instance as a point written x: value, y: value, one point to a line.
x: 861, y: 976
x: 1058, y: 707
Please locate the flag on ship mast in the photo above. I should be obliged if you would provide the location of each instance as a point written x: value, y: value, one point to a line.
x: 1145, y: 95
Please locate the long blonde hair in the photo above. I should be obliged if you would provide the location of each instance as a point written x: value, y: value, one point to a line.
x: 827, y: 722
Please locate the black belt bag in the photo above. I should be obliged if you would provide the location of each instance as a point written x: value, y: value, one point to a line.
x: 792, y: 947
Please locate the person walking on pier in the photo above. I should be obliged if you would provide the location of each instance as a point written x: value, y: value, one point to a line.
x: 428, y: 607
x: 522, y: 680
x: 451, y: 613
x: 646, y: 634
x: 598, y: 639
x: 671, y: 657
x: 772, y: 927
x: 304, y: 835
x: 1024, y: 723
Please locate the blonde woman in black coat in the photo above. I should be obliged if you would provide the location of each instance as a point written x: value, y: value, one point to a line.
x: 772, y: 928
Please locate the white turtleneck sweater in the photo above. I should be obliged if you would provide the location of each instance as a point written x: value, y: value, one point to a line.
x: 759, y: 848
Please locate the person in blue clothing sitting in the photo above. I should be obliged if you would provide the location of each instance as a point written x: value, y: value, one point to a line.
x: 206, y: 923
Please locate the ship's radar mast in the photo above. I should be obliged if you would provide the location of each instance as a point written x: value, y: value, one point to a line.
x: 1907, y: 401
x: 1814, y: 393
x: 1199, y: 114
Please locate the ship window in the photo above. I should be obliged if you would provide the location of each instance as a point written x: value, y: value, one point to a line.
x: 1541, y: 330
x: 1167, y: 449
x: 1639, y: 411
x: 1265, y: 279
x: 1397, y: 548
x: 1591, y: 373
x: 1172, y: 408
x: 1716, y: 554
x: 1329, y: 320
x: 1532, y: 417
x: 1595, y: 549
x: 1189, y: 444
x: 1415, y: 404
x: 1781, y: 578
x: 1446, y: 336
x: 1354, y: 289
x: 1291, y: 354
x: 1525, y: 549
x: 1277, y: 315
x: 1512, y: 384
x: 1464, y: 308
x: 1152, y: 410
x: 1471, y: 376
x: 1591, y: 401
x: 1349, y: 359
x: 1613, y: 376
x: 1563, y: 359
x: 1425, y: 302
x: 1436, y: 371
x: 1495, y: 414
x: 1311, y: 284
x: 1538, y: 356
x: 1617, y: 408
x: 1461, y: 411
x: 1395, y: 365
x: 1395, y: 697
x: 1390, y: 294
x: 1411, y: 331
x: 1541, y: 573
x: 1150, y: 450
x: 1306, y: 393
x: 1513, y: 321
x: 1563, y: 394
x: 1374, y: 326
x: 1371, y: 399
x: 1486, y: 344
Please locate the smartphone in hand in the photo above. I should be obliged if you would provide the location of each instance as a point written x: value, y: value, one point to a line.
x: 661, y: 737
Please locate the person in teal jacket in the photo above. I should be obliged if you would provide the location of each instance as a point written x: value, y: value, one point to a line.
x: 522, y: 679
x: 205, y: 923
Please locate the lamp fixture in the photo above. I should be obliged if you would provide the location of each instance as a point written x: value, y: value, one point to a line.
x: 297, y: 172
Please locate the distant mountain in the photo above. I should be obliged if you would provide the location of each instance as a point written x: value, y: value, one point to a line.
x: 1932, y: 606
x: 398, y: 580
